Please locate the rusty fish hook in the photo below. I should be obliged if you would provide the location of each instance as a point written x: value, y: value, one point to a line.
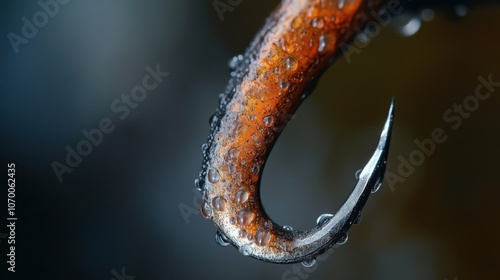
x: 279, y: 69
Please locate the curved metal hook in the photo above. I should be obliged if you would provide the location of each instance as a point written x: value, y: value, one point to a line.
x: 268, y: 84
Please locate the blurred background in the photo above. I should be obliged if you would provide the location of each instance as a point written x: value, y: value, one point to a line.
x: 129, y: 209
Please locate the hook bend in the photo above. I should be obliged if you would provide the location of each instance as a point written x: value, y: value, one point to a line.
x: 268, y: 83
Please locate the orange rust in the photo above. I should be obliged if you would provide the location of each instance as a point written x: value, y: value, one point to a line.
x: 298, y: 42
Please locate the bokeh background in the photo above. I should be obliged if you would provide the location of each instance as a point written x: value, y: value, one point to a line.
x: 130, y: 203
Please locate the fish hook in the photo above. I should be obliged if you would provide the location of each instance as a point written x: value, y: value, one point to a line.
x: 279, y: 69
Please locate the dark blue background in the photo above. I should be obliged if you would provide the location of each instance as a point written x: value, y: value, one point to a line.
x: 121, y: 206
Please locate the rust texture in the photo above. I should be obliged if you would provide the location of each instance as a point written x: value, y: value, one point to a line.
x: 298, y: 42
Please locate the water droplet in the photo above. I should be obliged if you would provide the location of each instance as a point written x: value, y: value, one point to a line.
x: 255, y: 168
x: 276, y: 70
x: 204, y: 147
x: 285, y: 246
x: 213, y: 118
x: 323, y: 219
x: 340, y: 4
x: 232, y: 153
x: 377, y: 186
x: 298, y: 77
x: 208, y: 187
x: 268, y: 224
x: 205, y: 210
x: 291, y: 63
x: 343, y: 239
x: 221, y: 239
x: 241, y: 196
x: 242, y: 233
x: 313, y: 11
x: 407, y: 24
x: 284, y: 84
x: 230, y: 168
x: 356, y: 175
x: 234, y: 61
x: 219, y: 203
x: 232, y: 220
x: 255, y: 138
x: 288, y: 228
x: 245, y: 217
x: 309, y: 263
x: 245, y: 250
x: 427, y: 14
x: 268, y: 121
x: 197, y: 184
x: 221, y: 97
x: 322, y: 43
x: 358, y: 219
x: 461, y: 10
x: 213, y: 175
x: 317, y: 23
x: 297, y: 22
x: 262, y: 238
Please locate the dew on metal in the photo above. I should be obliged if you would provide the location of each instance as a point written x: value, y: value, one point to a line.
x: 231, y: 169
x: 221, y: 239
x: 206, y: 210
x: 318, y: 22
x: 262, y: 238
x: 245, y: 217
x: 232, y: 154
x: 197, y: 184
x: 377, y: 186
x: 356, y: 175
x: 268, y: 121
x: 241, y: 196
x: 284, y: 85
x: 234, y: 61
x: 213, y: 175
x: 268, y: 224
x: 358, y: 219
x: 343, y: 239
x: 291, y: 63
x: 322, y: 43
x: 323, y: 219
x: 245, y: 250
x: 219, y: 203
x: 255, y: 169
x: 288, y: 228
